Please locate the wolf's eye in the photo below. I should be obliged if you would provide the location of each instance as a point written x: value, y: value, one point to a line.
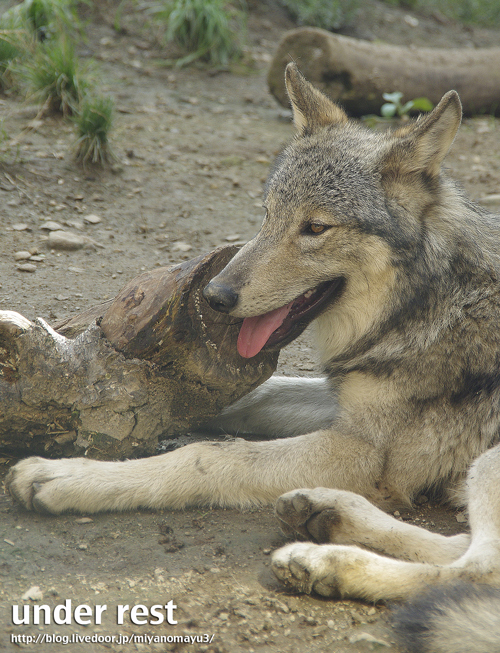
x: 315, y: 228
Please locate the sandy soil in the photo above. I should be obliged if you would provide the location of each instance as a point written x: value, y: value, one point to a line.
x: 193, y: 149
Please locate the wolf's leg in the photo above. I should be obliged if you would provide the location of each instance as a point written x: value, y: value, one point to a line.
x: 347, y: 571
x: 282, y: 406
x: 334, y: 570
x: 482, y: 559
x: 234, y: 473
x: 342, y: 517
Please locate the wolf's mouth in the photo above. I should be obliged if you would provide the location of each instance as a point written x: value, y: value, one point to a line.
x: 284, y: 324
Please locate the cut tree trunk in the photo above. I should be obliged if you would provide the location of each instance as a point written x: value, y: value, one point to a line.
x: 356, y: 73
x: 155, y: 361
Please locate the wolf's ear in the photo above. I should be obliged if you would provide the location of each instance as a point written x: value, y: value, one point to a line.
x: 423, y: 146
x: 311, y: 109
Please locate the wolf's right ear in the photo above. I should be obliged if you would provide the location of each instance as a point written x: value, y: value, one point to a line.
x: 311, y: 109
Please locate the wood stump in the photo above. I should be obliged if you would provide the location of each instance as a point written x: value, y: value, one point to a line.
x: 107, y: 383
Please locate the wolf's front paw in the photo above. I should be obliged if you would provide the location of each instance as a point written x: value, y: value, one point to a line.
x: 304, y: 567
x: 38, y: 484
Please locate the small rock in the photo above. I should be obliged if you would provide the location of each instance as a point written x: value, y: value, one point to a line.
x: 70, y: 241
x: 461, y: 518
x: 232, y: 237
x: 50, y: 225
x: 84, y: 520
x: 411, y: 21
x: 65, y: 240
x: 76, y: 224
x: 181, y: 246
x: 33, y: 594
x: 92, y: 219
x: 22, y: 256
x: 20, y: 226
x: 37, y: 259
x: 83, y: 547
x: 366, y: 637
x: 26, y: 267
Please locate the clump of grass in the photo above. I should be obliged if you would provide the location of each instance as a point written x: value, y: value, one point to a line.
x: 94, y: 121
x: 45, y: 18
x: 327, y: 14
x: 12, y: 48
x: 53, y: 76
x: 202, y: 28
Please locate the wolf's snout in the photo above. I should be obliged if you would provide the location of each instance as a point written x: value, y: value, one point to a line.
x: 221, y: 298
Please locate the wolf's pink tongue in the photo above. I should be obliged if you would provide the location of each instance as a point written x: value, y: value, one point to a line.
x: 255, y: 331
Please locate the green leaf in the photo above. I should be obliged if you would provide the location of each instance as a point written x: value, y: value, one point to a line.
x: 408, y: 106
x: 422, y: 104
x: 395, y: 97
x: 388, y: 110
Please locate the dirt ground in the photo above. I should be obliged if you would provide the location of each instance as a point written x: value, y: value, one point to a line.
x: 193, y: 148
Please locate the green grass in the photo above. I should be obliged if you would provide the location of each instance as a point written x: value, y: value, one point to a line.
x: 53, y: 76
x: 36, y: 50
x: 12, y: 48
x: 473, y: 12
x: 45, y: 18
x: 202, y: 28
x: 327, y: 14
x: 93, y: 122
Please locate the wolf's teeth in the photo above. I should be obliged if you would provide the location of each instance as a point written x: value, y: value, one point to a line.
x: 308, y: 294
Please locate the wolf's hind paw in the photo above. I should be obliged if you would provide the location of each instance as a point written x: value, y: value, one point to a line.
x: 310, y: 514
x: 293, y: 509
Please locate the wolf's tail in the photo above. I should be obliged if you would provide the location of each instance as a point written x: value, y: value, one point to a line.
x: 457, y: 618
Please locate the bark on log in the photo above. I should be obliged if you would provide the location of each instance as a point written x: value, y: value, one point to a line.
x: 155, y: 361
x: 356, y: 73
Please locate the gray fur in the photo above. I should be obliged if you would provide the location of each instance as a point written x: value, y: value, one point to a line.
x: 458, y: 618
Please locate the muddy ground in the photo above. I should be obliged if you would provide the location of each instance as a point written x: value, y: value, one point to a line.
x: 193, y: 148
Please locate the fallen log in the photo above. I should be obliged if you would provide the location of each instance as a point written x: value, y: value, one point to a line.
x: 356, y: 73
x: 107, y: 383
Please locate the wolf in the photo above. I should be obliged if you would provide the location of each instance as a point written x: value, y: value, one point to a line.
x: 365, y: 236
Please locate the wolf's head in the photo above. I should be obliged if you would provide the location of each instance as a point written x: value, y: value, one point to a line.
x: 345, y: 207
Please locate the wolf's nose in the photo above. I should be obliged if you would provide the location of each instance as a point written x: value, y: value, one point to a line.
x: 220, y: 298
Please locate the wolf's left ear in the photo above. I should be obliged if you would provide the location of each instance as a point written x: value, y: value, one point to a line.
x: 423, y: 146
x: 311, y: 109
